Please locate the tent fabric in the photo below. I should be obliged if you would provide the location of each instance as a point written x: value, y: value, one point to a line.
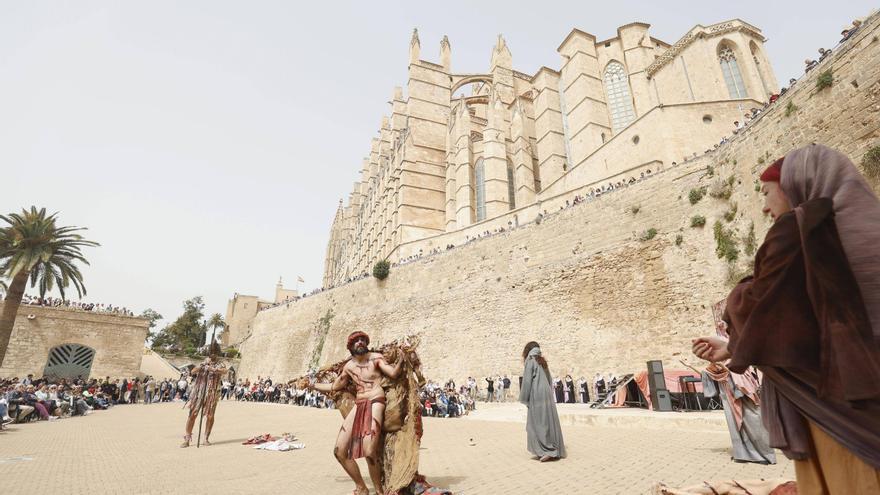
x: 670, y: 377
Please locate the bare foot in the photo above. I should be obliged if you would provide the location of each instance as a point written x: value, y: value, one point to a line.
x: 186, y: 440
x: 546, y: 458
x: 207, y: 442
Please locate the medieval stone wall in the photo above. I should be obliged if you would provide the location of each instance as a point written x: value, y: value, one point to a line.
x: 586, y: 282
x: 117, y: 340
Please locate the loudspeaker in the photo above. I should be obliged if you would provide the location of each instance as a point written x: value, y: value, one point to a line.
x: 660, y: 397
x: 662, y: 400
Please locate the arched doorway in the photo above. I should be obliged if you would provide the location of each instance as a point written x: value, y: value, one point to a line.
x: 69, y: 361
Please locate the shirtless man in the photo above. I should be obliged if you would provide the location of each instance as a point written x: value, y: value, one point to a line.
x: 360, y: 435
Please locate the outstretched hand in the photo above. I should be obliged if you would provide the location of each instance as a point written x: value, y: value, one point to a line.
x: 713, y: 349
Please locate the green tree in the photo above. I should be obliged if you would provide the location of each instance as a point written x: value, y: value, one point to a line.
x: 33, y: 247
x: 187, y: 332
x: 154, y: 317
x: 215, y: 322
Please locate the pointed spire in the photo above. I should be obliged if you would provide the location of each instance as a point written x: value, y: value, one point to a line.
x: 445, y: 53
x: 280, y: 284
x: 501, y: 55
x: 415, y: 47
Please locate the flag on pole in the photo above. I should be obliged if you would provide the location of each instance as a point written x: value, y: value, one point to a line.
x: 300, y: 279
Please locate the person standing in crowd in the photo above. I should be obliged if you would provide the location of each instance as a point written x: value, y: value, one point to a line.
x: 543, y: 430
x: 809, y: 319
x: 569, y: 390
x: 490, y: 389
x: 584, y: 389
x: 506, y: 381
x: 559, y: 390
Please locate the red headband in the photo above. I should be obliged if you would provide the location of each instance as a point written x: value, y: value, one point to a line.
x: 773, y: 173
x: 354, y: 336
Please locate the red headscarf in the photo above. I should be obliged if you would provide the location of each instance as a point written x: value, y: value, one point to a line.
x: 354, y: 336
x: 773, y: 173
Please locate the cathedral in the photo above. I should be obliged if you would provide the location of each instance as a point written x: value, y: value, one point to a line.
x: 464, y: 153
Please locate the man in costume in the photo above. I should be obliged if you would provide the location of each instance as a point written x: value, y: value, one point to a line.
x: 204, y: 393
x: 809, y: 319
x: 380, y: 404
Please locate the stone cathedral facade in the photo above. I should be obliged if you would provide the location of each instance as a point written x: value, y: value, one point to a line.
x: 462, y: 153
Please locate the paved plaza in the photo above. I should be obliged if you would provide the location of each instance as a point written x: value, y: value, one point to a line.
x: 134, y: 449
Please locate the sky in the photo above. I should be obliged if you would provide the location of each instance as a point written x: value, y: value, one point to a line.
x: 206, y: 144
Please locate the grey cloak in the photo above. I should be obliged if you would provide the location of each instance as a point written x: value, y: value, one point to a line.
x: 544, y: 433
x: 751, y: 443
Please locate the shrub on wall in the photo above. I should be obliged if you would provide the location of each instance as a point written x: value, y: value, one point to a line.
x: 380, y: 269
x: 649, y: 234
x: 696, y: 195
x: 725, y: 243
x: 750, y: 242
x: 730, y: 214
x: 698, y: 221
x: 871, y: 163
x: 825, y: 80
x: 722, y: 189
x: 679, y: 239
x: 790, y: 109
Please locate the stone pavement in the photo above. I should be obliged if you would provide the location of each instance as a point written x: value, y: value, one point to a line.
x: 134, y: 449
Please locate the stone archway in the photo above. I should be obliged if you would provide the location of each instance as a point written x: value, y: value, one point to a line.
x: 69, y: 361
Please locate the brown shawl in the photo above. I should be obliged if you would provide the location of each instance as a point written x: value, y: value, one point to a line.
x: 803, y: 322
x: 816, y: 171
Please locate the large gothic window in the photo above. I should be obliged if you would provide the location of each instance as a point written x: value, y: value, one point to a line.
x: 732, y: 76
x: 480, y: 187
x: 511, y: 186
x: 620, y: 102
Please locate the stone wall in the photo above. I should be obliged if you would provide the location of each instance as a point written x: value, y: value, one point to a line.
x: 585, y: 282
x: 117, y: 340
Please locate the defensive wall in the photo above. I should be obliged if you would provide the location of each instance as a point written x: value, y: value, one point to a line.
x: 118, y: 341
x: 605, y: 285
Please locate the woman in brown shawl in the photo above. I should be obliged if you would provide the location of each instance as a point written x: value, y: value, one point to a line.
x: 805, y: 320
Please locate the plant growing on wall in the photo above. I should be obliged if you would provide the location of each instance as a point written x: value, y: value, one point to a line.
x: 750, y: 242
x: 722, y: 189
x: 871, y: 163
x: 698, y: 221
x: 825, y: 80
x: 649, y: 234
x: 679, y: 239
x: 635, y: 209
x: 696, y: 195
x: 725, y: 243
x: 790, y: 108
x: 730, y: 214
x: 380, y: 269
x: 322, y: 328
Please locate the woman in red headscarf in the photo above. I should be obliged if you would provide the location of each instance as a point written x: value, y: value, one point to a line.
x: 805, y: 320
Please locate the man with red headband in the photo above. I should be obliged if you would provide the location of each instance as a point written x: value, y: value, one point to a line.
x: 809, y: 319
x: 361, y: 431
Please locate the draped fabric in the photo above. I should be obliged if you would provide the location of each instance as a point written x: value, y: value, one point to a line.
x: 802, y: 321
x: 543, y: 430
x: 205, y: 389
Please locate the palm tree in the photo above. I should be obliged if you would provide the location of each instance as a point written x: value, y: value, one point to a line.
x: 215, y: 322
x: 33, y: 247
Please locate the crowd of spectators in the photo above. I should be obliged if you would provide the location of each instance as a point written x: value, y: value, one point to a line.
x: 264, y: 390
x: 47, y: 399
x: 55, y: 302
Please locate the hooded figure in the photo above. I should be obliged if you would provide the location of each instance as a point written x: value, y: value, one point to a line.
x: 809, y: 319
x: 543, y: 430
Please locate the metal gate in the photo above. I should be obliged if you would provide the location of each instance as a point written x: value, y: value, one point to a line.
x: 69, y: 361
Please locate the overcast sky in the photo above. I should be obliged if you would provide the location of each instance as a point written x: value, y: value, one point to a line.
x: 206, y: 144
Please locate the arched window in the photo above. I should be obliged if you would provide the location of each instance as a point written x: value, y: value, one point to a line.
x: 619, y: 99
x: 732, y: 76
x: 480, y: 188
x: 511, y: 186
